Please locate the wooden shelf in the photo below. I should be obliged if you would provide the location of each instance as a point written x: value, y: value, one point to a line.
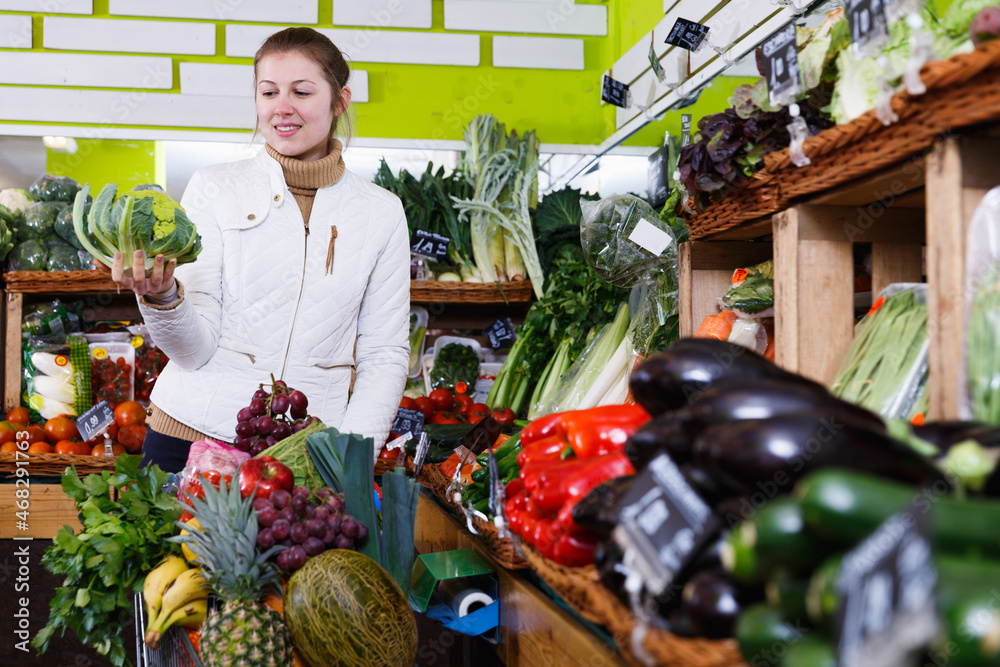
x: 434, y: 291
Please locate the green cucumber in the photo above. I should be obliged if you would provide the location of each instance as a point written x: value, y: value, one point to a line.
x: 776, y: 537
x: 511, y: 475
x: 788, y: 593
x: 811, y: 651
x: 847, y: 506
x: 482, y: 505
x: 763, y: 634
x: 481, y: 475
x: 510, y: 461
x: 502, y: 451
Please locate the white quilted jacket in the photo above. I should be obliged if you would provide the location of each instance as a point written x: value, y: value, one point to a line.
x: 258, y: 301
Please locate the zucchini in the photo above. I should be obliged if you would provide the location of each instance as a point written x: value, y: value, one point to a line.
x: 502, y: 451
x: 762, y: 632
x: 481, y: 475
x: 774, y: 538
x: 482, y: 505
x: 846, y: 506
x: 788, y: 594
x: 811, y: 651
x: 822, y: 598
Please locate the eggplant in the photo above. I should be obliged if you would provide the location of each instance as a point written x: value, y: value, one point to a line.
x: 738, y: 399
x: 668, y: 380
x: 702, y: 483
x: 596, y: 510
x: 765, y: 457
x: 711, y: 601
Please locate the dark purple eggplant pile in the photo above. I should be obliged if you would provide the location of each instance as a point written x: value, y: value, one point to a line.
x: 743, y: 432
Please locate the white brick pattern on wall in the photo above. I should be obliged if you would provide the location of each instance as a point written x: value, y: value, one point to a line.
x: 372, y: 46
x: 48, y: 6
x: 85, y: 69
x: 555, y: 18
x: 268, y: 11
x: 538, y: 52
x: 237, y: 81
x: 15, y: 32
x: 383, y: 13
x: 128, y: 36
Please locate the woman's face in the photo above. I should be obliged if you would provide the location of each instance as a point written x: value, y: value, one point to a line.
x: 294, y: 105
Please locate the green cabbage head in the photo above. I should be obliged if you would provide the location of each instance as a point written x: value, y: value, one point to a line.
x: 137, y: 219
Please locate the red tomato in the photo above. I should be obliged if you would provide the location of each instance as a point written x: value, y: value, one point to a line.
x: 464, y: 402
x: 19, y: 415
x: 408, y: 403
x: 131, y: 437
x: 60, y: 428
x: 504, y: 415
x: 8, y: 431
x: 116, y: 449
x: 130, y: 412
x: 426, y: 406
x: 40, y: 447
x: 443, y: 399
x: 479, y: 409
x: 446, y: 417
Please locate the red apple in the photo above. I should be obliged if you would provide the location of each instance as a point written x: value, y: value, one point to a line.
x: 267, y: 474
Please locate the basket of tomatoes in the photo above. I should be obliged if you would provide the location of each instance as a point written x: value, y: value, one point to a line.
x: 49, y: 447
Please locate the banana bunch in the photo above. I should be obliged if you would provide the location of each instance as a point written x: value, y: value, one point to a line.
x: 175, y: 595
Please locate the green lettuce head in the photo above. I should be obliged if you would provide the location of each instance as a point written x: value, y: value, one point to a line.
x: 138, y: 219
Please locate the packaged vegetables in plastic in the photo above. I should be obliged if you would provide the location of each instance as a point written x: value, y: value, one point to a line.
x: 752, y: 291
x: 52, y: 317
x: 418, y: 332
x: 56, y: 375
x: 455, y: 363
x: 111, y: 372
x: 885, y: 369
x: 53, y: 188
x: 149, y: 362
x: 979, y: 376
x: 39, y: 221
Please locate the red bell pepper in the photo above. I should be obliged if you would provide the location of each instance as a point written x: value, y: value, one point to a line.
x: 542, y: 427
x: 575, y: 548
x: 602, y: 430
x: 572, y: 480
x: 546, y: 449
x: 545, y: 535
x: 514, y: 487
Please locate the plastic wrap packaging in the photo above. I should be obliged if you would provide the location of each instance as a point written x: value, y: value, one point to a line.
x: 112, y: 373
x: 52, y: 318
x: 56, y: 375
x: 149, y: 362
x: 455, y: 363
x: 418, y: 335
x: 885, y: 369
x: 751, y: 293
x: 208, y: 455
x: 979, y: 374
x: 627, y: 243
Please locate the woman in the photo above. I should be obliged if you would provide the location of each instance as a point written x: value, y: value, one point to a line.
x: 302, y: 261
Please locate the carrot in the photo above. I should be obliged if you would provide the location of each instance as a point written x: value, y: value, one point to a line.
x: 705, y: 326
x: 721, y: 326
x: 769, y: 330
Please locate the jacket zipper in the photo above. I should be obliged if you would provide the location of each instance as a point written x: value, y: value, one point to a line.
x: 298, y: 300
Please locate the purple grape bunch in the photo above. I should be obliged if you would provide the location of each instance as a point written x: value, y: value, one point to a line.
x: 305, y: 523
x: 271, y: 417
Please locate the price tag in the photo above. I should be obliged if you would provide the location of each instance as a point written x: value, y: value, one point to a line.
x: 481, y: 436
x: 649, y: 237
x: 739, y: 275
x: 685, y: 129
x: 615, y: 92
x: 866, y: 19
x: 408, y: 421
x: 687, y: 34
x: 663, y: 524
x: 781, y: 66
x: 886, y: 590
x: 423, y: 446
x: 483, y: 387
x: 654, y: 62
x: 95, y: 420
x: 501, y: 333
x: 429, y: 244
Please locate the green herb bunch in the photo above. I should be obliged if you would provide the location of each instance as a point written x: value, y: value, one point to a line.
x: 127, y: 518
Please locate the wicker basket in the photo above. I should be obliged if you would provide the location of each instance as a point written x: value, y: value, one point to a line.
x: 431, y: 291
x: 853, y: 150
x: 665, y: 648
x: 575, y: 585
x: 54, y: 464
x: 38, y: 282
x: 382, y: 466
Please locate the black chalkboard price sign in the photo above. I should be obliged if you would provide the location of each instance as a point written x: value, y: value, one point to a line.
x: 664, y: 523
x: 687, y: 34
x: 501, y: 333
x: 781, y: 66
x: 408, y: 421
x: 866, y: 19
x: 429, y: 244
x: 615, y: 92
x: 886, y: 592
x: 95, y: 420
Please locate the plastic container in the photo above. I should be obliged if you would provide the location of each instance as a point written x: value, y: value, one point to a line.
x: 112, y: 372
x: 420, y: 323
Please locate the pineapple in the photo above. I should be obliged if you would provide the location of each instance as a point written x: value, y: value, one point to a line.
x: 245, y: 633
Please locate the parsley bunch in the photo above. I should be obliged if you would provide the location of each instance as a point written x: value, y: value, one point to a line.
x: 126, y: 517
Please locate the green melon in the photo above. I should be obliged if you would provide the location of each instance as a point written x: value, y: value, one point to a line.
x: 343, y: 609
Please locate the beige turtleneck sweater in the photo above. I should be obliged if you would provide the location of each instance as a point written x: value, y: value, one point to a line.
x: 303, y: 179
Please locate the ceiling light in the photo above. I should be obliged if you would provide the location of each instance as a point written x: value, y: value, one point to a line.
x: 60, y: 144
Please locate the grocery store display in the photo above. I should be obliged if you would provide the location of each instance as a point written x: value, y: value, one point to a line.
x: 245, y: 631
x: 271, y: 416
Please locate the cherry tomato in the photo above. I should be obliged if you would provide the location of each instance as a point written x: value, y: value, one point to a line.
x: 408, y: 403
x: 464, y: 402
x: 504, y: 415
x: 443, y: 399
x: 426, y: 406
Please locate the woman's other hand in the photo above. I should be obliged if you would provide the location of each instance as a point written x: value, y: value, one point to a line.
x: 160, y: 279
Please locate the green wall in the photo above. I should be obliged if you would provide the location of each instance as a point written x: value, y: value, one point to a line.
x: 101, y: 161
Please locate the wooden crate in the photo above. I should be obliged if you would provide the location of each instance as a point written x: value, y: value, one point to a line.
x: 49, y: 510
x: 705, y: 271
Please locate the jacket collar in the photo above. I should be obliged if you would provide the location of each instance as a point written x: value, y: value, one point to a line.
x: 275, y: 176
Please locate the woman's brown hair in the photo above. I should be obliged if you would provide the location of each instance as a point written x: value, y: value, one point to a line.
x: 317, y: 47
